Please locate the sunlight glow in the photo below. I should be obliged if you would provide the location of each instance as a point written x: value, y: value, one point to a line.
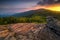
x: 54, y: 8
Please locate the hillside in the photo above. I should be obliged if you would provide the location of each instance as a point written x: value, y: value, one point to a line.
x: 33, y: 16
x: 39, y: 11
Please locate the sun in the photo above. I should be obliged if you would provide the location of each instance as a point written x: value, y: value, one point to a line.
x: 56, y: 8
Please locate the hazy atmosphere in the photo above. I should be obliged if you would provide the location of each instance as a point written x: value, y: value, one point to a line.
x: 16, y: 6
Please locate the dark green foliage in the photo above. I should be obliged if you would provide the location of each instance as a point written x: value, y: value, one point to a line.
x: 32, y: 19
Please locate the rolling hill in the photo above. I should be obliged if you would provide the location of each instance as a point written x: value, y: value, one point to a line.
x: 33, y: 16
x: 43, y: 12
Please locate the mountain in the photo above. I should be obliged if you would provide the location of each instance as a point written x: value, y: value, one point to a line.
x: 28, y: 13
x: 2, y: 15
x: 41, y: 12
x: 24, y: 13
x: 33, y: 16
x: 5, y: 15
x: 19, y: 14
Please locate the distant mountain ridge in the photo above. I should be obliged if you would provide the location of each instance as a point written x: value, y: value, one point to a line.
x: 43, y: 12
x: 28, y: 13
x: 24, y: 13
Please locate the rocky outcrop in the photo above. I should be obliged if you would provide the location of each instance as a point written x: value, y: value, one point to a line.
x: 26, y: 31
x: 54, y: 25
x: 51, y: 31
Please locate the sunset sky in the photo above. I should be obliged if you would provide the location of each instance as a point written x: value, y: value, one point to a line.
x: 16, y: 6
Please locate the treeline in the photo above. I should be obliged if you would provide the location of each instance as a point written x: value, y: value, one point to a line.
x: 32, y: 19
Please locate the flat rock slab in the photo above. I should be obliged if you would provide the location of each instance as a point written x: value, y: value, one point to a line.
x: 4, y: 33
x: 24, y: 27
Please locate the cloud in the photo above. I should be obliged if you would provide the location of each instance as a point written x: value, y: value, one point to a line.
x: 48, y: 2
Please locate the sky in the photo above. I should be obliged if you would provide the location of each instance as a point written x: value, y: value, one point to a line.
x: 16, y: 6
